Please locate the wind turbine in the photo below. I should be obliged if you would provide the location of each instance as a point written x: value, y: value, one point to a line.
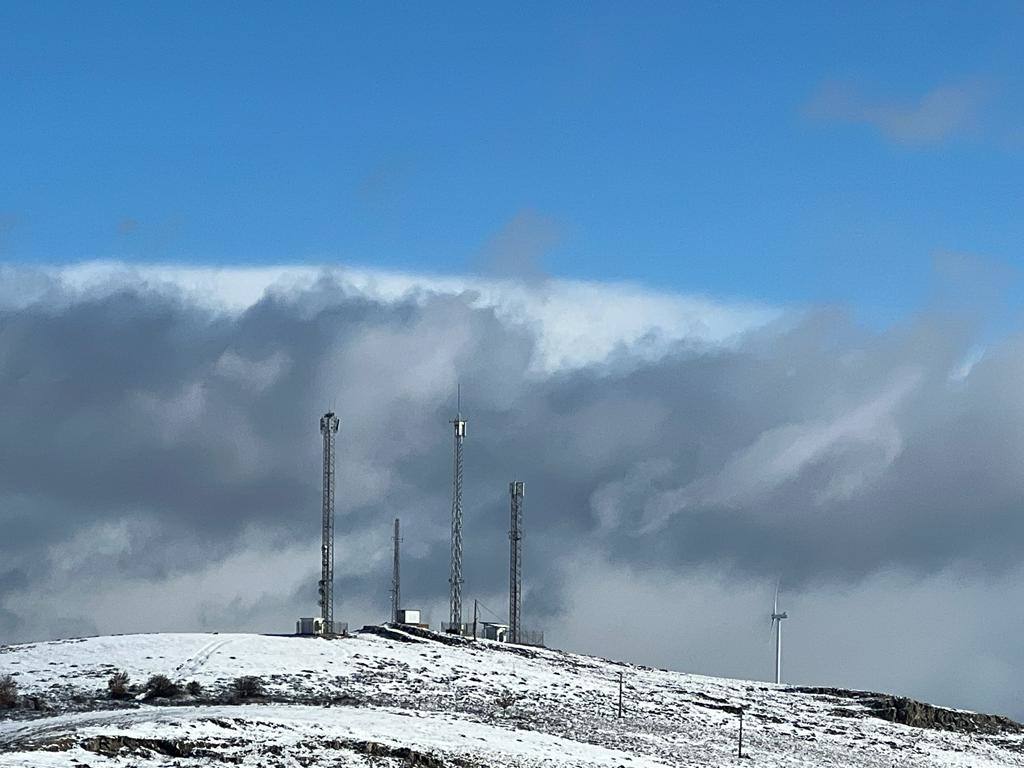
x: 778, y: 617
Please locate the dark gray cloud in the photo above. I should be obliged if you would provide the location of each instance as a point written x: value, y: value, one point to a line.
x: 161, y: 464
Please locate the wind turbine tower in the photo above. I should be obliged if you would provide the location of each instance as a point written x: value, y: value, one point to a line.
x: 396, y: 578
x: 329, y: 429
x: 455, y: 575
x: 516, y: 492
x: 777, y: 626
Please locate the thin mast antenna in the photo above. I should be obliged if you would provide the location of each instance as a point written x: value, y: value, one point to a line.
x: 516, y: 492
x: 455, y: 574
x: 328, y: 429
x: 396, y: 578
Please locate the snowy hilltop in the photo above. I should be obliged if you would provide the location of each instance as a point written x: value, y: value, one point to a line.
x: 389, y: 696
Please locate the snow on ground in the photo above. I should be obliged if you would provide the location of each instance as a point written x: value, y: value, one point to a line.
x: 469, y: 704
x: 302, y: 729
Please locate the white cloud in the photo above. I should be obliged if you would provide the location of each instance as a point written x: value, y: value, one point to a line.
x: 781, y: 453
x: 930, y: 118
x: 576, y: 323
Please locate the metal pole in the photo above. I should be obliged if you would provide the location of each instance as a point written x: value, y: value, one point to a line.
x: 475, y: 608
x: 741, y: 732
x: 778, y: 653
x: 620, y: 695
x: 396, y: 578
x: 778, y: 617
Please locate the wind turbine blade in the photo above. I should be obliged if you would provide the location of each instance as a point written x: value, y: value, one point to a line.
x: 775, y: 608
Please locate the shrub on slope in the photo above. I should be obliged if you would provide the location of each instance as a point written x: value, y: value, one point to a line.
x: 118, y: 685
x: 161, y: 687
x: 247, y: 687
x: 8, y: 692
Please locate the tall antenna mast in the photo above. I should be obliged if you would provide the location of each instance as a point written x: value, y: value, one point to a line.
x: 396, y: 579
x: 328, y: 428
x: 455, y: 576
x: 516, y: 492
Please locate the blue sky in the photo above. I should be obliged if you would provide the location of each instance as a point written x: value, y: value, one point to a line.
x: 791, y: 154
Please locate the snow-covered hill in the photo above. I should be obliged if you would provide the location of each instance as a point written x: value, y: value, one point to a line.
x: 394, y: 699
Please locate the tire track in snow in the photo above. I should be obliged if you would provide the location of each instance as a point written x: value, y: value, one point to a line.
x: 194, y: 663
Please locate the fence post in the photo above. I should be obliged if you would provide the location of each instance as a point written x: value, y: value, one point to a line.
x: 620, y: 694
x: 741, y: 733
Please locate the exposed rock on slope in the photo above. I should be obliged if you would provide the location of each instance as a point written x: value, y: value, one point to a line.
x: 899, y: 709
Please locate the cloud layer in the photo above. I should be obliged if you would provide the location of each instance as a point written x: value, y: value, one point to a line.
x: 159, y: 434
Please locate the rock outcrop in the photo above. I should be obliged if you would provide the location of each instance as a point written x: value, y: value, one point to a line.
x: 900, y: 709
